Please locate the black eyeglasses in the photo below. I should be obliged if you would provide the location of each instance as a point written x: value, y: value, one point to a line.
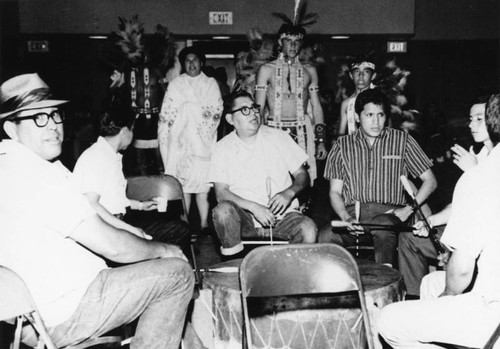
x: 246, y: 110
x: 42, y: 119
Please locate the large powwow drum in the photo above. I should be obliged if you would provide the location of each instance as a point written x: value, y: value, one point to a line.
x: 299, y: 329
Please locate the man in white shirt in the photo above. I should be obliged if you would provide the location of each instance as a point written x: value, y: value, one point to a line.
x: 98, y: 173
x: 473, y: 235
x: 52, y: 238
x: 252, y: 170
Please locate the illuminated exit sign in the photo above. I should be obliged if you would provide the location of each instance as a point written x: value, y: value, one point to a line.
x: 220, y: 18
x: 396, y: 46
x: 38, y: 46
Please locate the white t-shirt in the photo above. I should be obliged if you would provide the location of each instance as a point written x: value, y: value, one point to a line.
x: 39, y: 209
x: 246, y: 167
x: 99, y: 170
x: 474, y: 224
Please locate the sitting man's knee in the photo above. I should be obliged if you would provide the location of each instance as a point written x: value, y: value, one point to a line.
x: 223, y: 210
x: 309, y: 230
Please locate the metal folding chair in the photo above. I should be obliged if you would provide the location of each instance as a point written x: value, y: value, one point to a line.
x: 17, y: 306
x: 303, y: 296
x: 143, y: 188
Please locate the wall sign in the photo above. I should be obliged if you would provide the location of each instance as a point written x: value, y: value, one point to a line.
x: 220, y: 18
x: 396, y: 46
x: 38, y: 46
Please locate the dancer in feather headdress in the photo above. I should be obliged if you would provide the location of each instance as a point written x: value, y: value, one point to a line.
x: 140, y: 81
x: 285, y: 86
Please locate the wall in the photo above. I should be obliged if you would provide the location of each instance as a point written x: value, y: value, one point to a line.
x: 190, y: 17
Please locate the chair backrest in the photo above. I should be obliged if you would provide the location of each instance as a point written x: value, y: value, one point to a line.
x: 290, y: 272
x: 144, y: 188
x: 15, y: 298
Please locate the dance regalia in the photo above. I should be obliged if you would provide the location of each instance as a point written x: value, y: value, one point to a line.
x: 187, y: 130
x: 299, y: 127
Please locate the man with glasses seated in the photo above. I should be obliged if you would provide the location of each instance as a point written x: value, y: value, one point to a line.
x: 257, y: 172
x: 54, y: 240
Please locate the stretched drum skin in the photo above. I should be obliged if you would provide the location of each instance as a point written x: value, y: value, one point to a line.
x: 300, y: 329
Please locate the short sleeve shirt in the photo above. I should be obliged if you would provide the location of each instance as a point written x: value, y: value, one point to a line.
x: 99, y: 170
x: 246, y: 167
x: 372, y: 173
x: 39, y: 210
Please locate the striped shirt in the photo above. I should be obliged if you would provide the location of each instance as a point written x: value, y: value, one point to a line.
x: 371, y: 173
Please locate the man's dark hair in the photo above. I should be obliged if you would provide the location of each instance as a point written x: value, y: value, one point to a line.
x: 492, y: 118
x: 374, y: 96
x: 289, y: 29
x: 116, y: 118
x: 188, y: 50
x: 234, y: 96
x: 360, y: 59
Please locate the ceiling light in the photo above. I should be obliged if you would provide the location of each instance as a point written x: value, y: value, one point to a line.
x: 221, y: 37
x: 98, y: 37
x: 340, y: 37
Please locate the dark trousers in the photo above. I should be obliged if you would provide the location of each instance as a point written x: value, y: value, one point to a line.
x: 162, y: 227
x: 414, y: 255
x: 384, y: 241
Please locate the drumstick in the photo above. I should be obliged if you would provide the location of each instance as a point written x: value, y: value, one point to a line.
x: 225, y: 270
x: 397, y: 227
x: 268, y: 189
x: 416, y: 206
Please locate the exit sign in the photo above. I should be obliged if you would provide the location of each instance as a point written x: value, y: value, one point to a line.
x: 220, y: 18
x: 38, y: 46
x: 396, y: 46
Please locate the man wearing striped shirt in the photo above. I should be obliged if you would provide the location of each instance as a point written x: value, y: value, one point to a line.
x: 366, y: 167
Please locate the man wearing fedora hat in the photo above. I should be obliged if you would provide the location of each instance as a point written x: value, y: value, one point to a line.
x: 54, y: 240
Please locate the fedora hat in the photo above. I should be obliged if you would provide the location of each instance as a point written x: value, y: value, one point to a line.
x: 25, y: 92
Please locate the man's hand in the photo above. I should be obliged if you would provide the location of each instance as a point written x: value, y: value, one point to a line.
x: 263, y: 215
x: 353, y: 228
x: 443, y: 259
x: 462, y: 158
x: 403, y: 213
x: 420, y: 229
x: 173, y: 251
x: 279, y: 202
x: 140, y: 233
x: 321, y: 151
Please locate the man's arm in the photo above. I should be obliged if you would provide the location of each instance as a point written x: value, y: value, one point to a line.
x: 337, y: 200
x: 280, y: 202
x: 261, y: 213
x: 459, y: 273
x: 119, y: 245
x: 317, y: 110
x: 109, y: 218
x: 262, y: 79
x: 429, y: 184
x: 343, y: 117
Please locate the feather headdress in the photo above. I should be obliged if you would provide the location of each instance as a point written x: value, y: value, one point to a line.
x: 301, y: 19
x: 157, y: 49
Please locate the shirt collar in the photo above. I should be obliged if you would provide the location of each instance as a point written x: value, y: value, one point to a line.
x: 103, y: 144
x: 359, y: 135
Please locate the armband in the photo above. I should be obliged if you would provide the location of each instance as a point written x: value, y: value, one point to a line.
x: 260, y: 87
x: 320, y: 132
x: 313, y: 88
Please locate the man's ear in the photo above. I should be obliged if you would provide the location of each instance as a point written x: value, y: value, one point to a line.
x: 350, y: 75
x: 374, y: 76
x: 11, y: 130
x: 356, y: 117
x: 229, y: 119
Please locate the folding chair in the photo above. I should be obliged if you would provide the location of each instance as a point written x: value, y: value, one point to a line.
x: 143, y: 188
x: 303, y: 296
x: 16, y: 303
